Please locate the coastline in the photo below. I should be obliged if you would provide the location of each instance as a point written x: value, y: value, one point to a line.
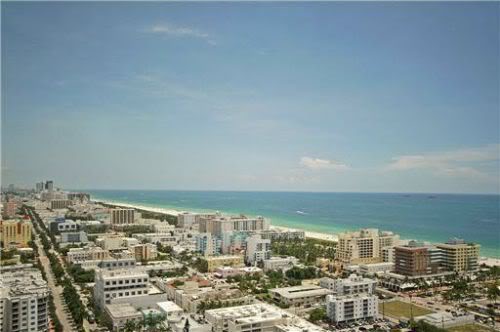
x: 488, y: 260
x: 172, y: 212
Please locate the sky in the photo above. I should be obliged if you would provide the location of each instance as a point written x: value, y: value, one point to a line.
x: 363, y: 97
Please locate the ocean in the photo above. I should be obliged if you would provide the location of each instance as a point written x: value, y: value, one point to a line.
x: 427, y: 217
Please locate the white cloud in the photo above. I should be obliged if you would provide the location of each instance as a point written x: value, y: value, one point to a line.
x: 449, y: 163
x: 318, y: 164
x: 167, y: 29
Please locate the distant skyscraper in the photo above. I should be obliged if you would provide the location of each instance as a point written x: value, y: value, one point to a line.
x: 49, y: 185
x: 39, y: 186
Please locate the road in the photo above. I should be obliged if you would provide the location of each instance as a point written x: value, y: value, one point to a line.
x: 61, y: 308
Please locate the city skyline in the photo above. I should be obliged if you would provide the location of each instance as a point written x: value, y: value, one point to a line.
x: 318, y: 97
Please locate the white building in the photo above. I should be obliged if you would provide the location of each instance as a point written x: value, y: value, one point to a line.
x: 24, y: 297
x: 257, y: 249
x: 113, y: 284
x: 171, y: 310
x: 280, y: 263
x: 300, y: 298
x: 122, y: 216
x: 351, y: 307
x: 376, y: 268
x: 260, y: 317
x: 354, y: 284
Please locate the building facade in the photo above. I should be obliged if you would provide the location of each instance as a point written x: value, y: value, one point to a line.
x: 351, y: 307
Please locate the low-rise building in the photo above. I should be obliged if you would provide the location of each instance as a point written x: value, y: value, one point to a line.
x: 217, y: 261
x: 351, y: 307
x: 57, y: 204
x: 300, y: 298
x: 260, y: 317
x: 376, y: 268
x: 280, y: 263
x: 121, y: 313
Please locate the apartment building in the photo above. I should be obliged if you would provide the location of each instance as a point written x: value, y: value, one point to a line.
x: 351, y: 285
x: 300, y: 298
x: 351, y: 307
x: 120, y: 283
x: 207, y: 244
x: 364, y: 246
x: 459, y: 256
x: 122, y: 216
x: 15, y: 233
x: 257, y: 249
x: 24, y: 297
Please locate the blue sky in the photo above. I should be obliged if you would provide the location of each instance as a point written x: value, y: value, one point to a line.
x: 398, y: 97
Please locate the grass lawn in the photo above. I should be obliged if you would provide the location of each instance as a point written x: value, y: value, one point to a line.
x: 470, y: 328
x: 398, y: 309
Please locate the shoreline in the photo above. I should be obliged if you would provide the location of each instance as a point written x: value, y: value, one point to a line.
x: 488, y: 260
x: 172, y: 212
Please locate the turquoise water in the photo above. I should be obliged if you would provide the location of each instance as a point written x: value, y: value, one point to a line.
x: 430, y: 217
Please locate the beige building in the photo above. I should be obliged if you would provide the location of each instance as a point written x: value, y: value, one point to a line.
x: 459, y: 256
x: 122, y: 216
x: 219, y: 224
x: 300, y: 298
x: 216, y: 261
x: 15, y: 233
x: 145, y: 252
x: 365, y: 246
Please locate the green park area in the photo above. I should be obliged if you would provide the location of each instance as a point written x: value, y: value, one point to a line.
x: 399, y: 309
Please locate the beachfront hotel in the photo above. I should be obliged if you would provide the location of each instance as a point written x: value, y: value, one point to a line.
x: 218, y: 224
x: 460, y: 256
x: 364, y: 246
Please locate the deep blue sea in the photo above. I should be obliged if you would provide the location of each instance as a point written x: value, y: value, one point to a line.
x: 429, y: 217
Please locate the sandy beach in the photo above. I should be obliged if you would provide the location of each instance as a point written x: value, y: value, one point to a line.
x: 308, y: 234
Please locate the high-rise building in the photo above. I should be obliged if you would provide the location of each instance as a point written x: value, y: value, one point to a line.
x: 122, y: 216
x: 207, y: 244
x: 364, y: 246
x: 186, y: 219
x: 257, y: 249
x: 24, y: 298
x: 49, y: 185
x: 351, y: 307
x: 56, y: 204
x: 459, y: 256
x: 145, y: 251
x: 14, y: 233
x: 39, y: 186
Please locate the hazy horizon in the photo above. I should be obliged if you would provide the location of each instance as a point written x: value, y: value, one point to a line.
x: 355, y: 97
